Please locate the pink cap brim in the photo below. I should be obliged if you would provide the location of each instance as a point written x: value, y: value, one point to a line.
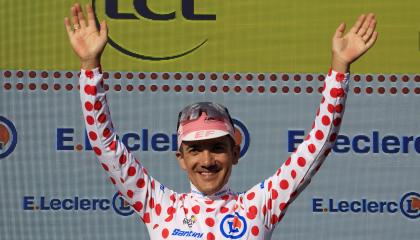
x: 202, y: 128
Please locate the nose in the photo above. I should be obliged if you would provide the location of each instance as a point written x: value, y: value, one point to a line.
x: 207, y: 158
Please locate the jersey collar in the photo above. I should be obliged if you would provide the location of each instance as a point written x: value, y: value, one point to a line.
x: 223, y: 191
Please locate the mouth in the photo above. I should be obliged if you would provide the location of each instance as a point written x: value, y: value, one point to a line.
x: 208, y: 174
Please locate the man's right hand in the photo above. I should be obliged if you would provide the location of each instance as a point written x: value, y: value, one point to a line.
x: 87, y: 42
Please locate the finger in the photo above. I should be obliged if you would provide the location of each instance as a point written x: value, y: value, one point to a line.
x: 104, y: 29
x: 81, y: 18
x: 366, y: 23
x: 339, y: 32
x: 358, y: 23
x: 75, y: 18
x: 90, y: 15
x: 372, y: 40
x: 369, y: 32
x: 68, y: 27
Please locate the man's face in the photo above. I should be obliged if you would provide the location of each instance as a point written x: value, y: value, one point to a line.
x: 208, y: 163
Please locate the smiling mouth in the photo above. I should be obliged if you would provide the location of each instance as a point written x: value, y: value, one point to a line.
x: 208, y: 173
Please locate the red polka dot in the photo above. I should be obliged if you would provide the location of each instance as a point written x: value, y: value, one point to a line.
x: 152, y: 203
x: 93, y: 136
x: 98, y: 105
x: 88, y: 106
x: 90, y: 120
x: 131, y: 171
x: 196, y: 209
x: 210, y: 222
x: 210, y: 209
x: 112, y: 180
x: 158, y: 209
x: 339, y: 77
x: 330, y: 108
x: 169, y: 218
x: 319, y: 135
x: 146, y: 218
x: 333, y: 137
x: 224, y: 209
x: 301, y: 162
x: 293, y: 174
x: 140, y: 183
x: 340, y: 92
x: 270, y: 185
x: 287, y: 163
x: 130, y: 194
x: 282, y: 206
x: 105, y: 167
x: 333, y: 92
x: 250, y: 196
x: 122, y: 159
x: 326, y: 120
x: 311, y: 148
x: 97, y: 151
x: 284, y: 184
x: 253, y: 210
x: 337, y: 121
x: 255, y: 230
x: 210, y: 236
x: 89, y: 74
x: 138, y: 206
x: 102, y: 118
x: 165, y: 233
x: 274, y: 194
x: 274, y: 219
x: 339, y: 108
x: 106, y: 133
x: 171, y: 210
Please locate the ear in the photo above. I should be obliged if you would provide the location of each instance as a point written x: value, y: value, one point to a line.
x: 180, y: 157
x: 236, y: 154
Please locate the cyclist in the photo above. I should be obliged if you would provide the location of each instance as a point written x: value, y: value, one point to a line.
x: 207, y: 149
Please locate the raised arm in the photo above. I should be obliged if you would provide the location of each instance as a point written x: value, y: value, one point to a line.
x: 277, y: 192
x: 86, y: 40
x: 147, y: 196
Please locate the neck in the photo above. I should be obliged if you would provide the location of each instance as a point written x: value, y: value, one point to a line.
x: 222, y: 191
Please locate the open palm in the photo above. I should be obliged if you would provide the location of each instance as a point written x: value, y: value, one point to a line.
x: 349, y: 47
x: 87, y: 42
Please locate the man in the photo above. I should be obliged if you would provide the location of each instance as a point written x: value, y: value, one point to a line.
x: 207, y: 149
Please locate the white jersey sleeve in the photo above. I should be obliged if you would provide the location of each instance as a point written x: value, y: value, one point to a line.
x: 151, y: 200
x: 270, y: 199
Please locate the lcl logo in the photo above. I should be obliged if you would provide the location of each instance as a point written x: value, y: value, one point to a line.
x: 142, y: 8
x: 146, y: 13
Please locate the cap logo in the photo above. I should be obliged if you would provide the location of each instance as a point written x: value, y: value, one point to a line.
x: 204, y: 133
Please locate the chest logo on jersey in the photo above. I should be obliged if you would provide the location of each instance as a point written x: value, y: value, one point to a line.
x: 233, y: 226
x: 189, y: 221
x: 192, y: 234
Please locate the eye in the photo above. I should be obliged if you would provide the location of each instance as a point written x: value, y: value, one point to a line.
x: 219, y: 148
x: 193, y: 150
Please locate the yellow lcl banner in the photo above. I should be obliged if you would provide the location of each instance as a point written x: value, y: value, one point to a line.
x: 211, y: 35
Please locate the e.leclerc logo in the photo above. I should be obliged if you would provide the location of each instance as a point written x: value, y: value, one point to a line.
x: 168, y: 26
x: 8, y: 137
x: 408, y: 206
x: 77, y: 203
x: 145, y: 140
x: 233, y: 226
x: 366, y: 143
